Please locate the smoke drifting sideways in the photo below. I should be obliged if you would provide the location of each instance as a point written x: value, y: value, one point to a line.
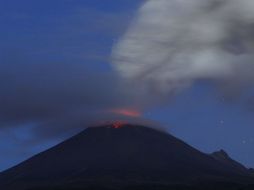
x: 174, y: 43
x: 170, y: 45
x: 60, y: 99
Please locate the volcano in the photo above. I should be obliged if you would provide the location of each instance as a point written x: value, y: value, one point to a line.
x: 126, y: 157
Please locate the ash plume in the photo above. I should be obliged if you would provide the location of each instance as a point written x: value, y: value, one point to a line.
x: 173, y: 43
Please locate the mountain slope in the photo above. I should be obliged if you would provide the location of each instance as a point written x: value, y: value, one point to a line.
x: 224, y: 158
x: 112, y: 156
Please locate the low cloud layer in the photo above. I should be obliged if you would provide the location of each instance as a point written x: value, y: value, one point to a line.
x: 58, y: 98
x: 172, y: 44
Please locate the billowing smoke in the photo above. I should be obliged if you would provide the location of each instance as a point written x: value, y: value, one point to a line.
x: 173, y: 43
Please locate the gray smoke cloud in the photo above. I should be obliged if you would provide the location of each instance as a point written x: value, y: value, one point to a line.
x: 60, y: 99
x: 173, y: 43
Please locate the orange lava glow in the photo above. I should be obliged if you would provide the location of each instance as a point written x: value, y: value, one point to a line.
x: 118, y: 124
x: 126, y: 112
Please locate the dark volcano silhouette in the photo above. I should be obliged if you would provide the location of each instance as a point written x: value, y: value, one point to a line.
x: 129, y: 156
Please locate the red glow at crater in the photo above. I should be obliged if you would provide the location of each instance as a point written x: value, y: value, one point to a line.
x: 126, y: 112
x: 118, y: 124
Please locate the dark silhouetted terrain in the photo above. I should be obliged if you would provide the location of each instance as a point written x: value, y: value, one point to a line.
x: 129, y: 157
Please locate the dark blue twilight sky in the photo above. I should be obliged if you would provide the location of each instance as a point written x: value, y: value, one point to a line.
x: 55, y: 63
